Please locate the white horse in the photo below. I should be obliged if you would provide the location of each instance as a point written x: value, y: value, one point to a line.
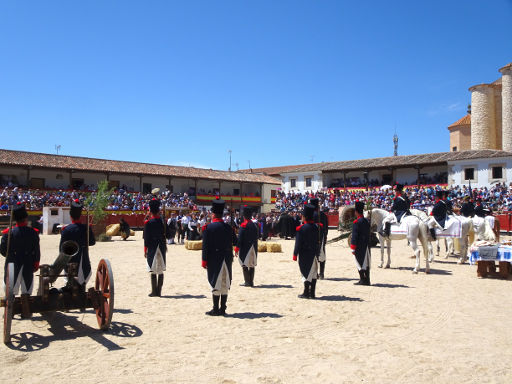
x: 416, y: 229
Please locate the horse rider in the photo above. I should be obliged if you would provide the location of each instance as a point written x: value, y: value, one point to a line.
x: 479, y: 209
x: 399, y: 209
x: 449, y: 205
x: 467, y: 209
x: 438, y: 214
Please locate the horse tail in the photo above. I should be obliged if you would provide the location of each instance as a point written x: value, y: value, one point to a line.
x: 423, y: 236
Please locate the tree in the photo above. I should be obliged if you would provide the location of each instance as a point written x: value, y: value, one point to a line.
x: 97, y: 202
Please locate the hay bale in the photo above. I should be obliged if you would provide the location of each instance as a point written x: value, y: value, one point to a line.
x: 262, y: 247
x: 194, y: 245
x: 274, y: 247
x: 113, y: 230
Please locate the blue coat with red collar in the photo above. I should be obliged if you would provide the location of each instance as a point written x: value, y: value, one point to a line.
x: 247, y: 238
x: 154, y: 239
x: 307, y: 246
x: 77, y: 232
x: 23, y: 252
x: 360, y: 239
x: 217, y: 249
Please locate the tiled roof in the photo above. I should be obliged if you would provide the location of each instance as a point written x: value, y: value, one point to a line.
x: 466, y: 120
x: 44, y: 160
x: 273, y: 171
x: 403, y: 161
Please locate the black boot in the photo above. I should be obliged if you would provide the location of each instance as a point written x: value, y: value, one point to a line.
x: 367, y: 276
x: 313, y: 288
x: 322, y: 270
x: 223, y: 306
x: 387, y: 229
x: 247, y: 277
x: 305, y: 294
x: 361, y: 278
x: 251, y: 276
x: 154, y: 288
x: 215, y: 311
x: 160, y: 284
x: 433, y: 233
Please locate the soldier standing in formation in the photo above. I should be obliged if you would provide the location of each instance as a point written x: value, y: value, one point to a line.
x: 247, y: 246
x: 320, y: 217
x: 217, y: 257
x: 307, y: 251
x: 360, y: 245
x: 155, y: 248
x: 23, y: 251
x: 79, y: 233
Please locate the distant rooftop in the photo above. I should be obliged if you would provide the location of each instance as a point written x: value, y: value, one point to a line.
x: 76, y: 163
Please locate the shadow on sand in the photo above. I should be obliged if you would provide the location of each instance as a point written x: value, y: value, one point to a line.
x: 251, y: 315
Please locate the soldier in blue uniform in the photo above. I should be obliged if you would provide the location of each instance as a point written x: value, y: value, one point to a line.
x: 307, y: 251
x: 479, y: 209
x: 400, y: 208
x: 360, y: 245
x: 77, y: 232
x: 247, y: 246
x: 155, y: 247
x: 320, y: 217
x: 217, y: 257
x: 467, y: 209
x: 438, y: 213
x: 24, y: 253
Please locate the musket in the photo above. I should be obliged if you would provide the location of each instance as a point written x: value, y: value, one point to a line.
x: 9, y: 233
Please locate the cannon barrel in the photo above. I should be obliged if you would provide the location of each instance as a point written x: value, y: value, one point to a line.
x: 68, y: 249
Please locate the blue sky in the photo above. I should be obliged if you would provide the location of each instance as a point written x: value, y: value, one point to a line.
x: 277, y: 82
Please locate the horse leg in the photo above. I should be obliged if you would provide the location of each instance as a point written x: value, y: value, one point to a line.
x: 416, y: 250
x: 438, y: 248
x: 388, y: 242
x: 381, y: 242
x: 430, y: 251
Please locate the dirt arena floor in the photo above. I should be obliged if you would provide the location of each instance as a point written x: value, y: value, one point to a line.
x: 446, y: 327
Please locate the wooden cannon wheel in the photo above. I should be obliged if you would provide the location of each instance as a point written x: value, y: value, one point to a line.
x: 104, y: 286
x: 9, y: 302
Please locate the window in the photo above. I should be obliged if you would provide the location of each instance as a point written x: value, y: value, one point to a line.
x: 293, y: 183
x: 497, y: 172
x: 454, y: 149
x: 77, y: 183
x: 469, y: 174
x: 146, y: 188
x: 236, y: 192
x: 37, y: 182
x: 308, y: 182
x: 272, y: 193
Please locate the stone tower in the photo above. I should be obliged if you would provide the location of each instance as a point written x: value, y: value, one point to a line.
x: 506, y: 106
x: 483, y: 117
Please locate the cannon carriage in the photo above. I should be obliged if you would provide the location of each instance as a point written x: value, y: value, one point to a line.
x: 71, y: 297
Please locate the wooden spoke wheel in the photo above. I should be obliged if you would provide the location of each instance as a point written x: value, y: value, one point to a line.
x: 9, y: 302
x: 104, y: 286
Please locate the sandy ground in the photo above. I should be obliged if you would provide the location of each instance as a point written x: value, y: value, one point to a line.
x: 444, y: 327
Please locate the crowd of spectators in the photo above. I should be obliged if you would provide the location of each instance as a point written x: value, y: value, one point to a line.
x: 498, y: 197
x: 119, y: 199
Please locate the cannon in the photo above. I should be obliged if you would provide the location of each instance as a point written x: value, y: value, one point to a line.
x: 72, y: 296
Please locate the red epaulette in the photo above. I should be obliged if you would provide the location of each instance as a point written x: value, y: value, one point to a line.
x: 35, y: 229
x: 5, y: 231
x: 244, y: 224
x: 204, y: 227
x: 147, y: 221
x: 355, y: 221
x: 320, y: 224
x: 298, y: 228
